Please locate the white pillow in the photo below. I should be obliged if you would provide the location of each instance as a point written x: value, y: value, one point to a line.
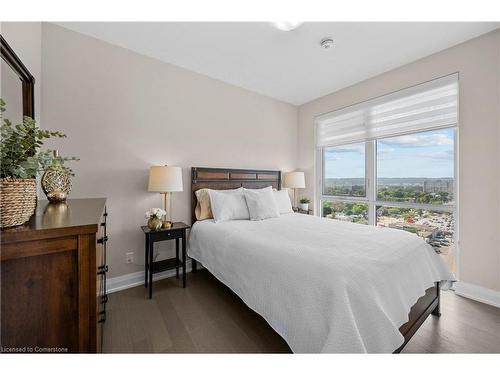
x: 283, y: 201
x: 261, y: 203
x: 228, y: 205
x: 202, y: 210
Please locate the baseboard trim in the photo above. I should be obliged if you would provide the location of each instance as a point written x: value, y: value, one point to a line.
x: 115, y: 284
x: 478, y: 293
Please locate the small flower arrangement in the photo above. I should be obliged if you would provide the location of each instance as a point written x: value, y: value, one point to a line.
x: 154, y: 216
x: 305, y: 200
x: 157, y: 213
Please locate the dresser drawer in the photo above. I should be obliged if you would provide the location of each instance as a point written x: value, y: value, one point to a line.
x: 55, y: 276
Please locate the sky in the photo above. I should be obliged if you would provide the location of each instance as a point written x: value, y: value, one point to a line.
x: 428, y: 154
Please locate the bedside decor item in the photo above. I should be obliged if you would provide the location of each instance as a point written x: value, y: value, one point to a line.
x: 295, y: 180
x: 20, y: 162
x: 155, y: 218
x: 304, y: 204
x: 165, y: 179
x: 56, y: 180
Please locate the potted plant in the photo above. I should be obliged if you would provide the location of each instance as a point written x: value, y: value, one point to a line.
x: 21, y: 160
x: 304, y: 204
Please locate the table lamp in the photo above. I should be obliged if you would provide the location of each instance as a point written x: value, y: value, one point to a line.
x: 294, y: 180
x: 165, y: 180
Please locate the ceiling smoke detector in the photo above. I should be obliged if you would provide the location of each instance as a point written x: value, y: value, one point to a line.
x: 326, y: 43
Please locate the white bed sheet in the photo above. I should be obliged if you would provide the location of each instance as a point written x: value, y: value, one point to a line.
x: 325, y: 286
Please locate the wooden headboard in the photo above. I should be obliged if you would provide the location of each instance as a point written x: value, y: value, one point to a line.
x: 223, y: 179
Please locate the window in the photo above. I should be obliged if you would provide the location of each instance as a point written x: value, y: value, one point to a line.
x: 344, y: 170
x: 391, y: 162
x: 437, y: 227
x: 416, y: 168
x: 355, y: 212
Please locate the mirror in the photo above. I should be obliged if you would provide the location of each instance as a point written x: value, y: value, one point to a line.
x: 12, y: 93
x: 16, y: 85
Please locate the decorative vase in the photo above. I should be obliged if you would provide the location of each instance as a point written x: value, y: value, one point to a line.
x: 56, y: 183
x: 17, y: 201
x: 154, y: 223
x: 304, y: 206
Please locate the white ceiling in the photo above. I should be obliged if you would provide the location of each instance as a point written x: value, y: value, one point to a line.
x: 290, y: 66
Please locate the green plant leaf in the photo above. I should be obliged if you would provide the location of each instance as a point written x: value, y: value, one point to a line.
x: 20, y: 155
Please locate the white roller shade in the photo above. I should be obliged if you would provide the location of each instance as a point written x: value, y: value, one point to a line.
x: 431, y: 105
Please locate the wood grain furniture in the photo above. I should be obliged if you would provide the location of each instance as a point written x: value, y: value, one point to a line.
x: 53, y: 273
x: 177, y: 232
x: 221, y: 179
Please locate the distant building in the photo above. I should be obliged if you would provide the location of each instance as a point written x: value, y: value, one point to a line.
x: 437, y: 186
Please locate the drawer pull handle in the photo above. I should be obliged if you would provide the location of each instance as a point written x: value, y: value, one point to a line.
x: 102, y: 270
x: 103, y: 239
x: 103, y: 319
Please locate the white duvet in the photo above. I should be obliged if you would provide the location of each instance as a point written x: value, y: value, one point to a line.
x: 325, y: 286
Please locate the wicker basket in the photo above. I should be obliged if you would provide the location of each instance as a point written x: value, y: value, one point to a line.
x: 17, y: 201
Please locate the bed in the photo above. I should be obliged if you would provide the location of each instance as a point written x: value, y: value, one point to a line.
x: 325, y: 286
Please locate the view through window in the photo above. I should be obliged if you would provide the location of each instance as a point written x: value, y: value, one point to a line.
x: 414, y: 188
x: 345, y: 170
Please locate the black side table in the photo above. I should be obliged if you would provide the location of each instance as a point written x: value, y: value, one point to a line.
x: 177, y: 231
x: 301, y: 211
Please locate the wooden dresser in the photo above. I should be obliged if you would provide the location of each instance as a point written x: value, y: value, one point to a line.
x: 53, y: 274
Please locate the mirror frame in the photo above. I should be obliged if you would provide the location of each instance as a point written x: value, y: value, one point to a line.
x: 27, y: 80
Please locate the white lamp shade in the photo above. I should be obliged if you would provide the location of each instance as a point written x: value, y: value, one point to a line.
x: 165, y: 179
x: 295, y: 180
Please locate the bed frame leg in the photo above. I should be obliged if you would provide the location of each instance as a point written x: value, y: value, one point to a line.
x: 437, y: 310
x: 194, y: 265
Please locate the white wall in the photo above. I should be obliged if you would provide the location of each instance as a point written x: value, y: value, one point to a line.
x: 478, y: 63
x: 124, y: 112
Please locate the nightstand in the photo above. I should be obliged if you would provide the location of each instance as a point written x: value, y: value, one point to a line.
x: 177, y: 232
x: 301, y: 211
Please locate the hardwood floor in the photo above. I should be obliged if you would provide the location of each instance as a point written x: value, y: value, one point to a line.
x: 207, y: 318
